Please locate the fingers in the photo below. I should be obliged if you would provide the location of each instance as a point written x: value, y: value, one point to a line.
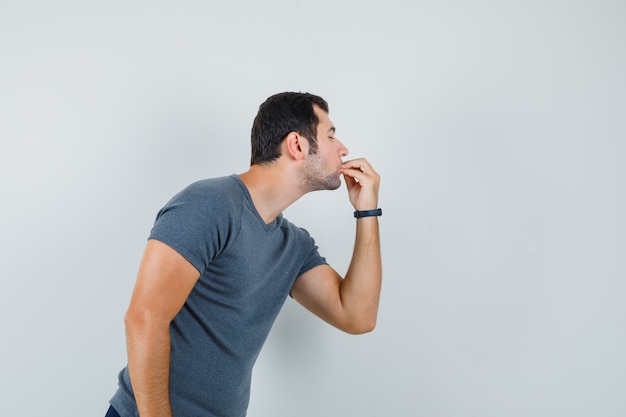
x: 361, y: 164
x: 362, y: 182
x: 359, y: 169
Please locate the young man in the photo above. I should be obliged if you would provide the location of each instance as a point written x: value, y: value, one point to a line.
x: 221, y: 260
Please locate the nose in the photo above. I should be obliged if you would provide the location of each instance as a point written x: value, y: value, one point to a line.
x: 343, y: 151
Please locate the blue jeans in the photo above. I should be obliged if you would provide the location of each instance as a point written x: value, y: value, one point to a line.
x: 112, y: 413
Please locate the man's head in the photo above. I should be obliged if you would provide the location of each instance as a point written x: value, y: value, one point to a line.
x: 279, y: 115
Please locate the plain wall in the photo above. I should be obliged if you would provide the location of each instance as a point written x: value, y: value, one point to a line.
x: 499, y: 130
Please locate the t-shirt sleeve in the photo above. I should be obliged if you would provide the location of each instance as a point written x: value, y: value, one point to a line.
x: 194, y: 224
x: 312, y: 257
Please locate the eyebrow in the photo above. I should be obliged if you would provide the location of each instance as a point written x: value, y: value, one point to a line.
x: 332, y: 129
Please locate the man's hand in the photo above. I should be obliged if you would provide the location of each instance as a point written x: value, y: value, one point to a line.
x: 362, y: 182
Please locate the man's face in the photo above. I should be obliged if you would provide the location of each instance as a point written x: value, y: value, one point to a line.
x: 322, y: 167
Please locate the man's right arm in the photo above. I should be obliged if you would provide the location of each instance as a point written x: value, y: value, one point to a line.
x: 164, y: 282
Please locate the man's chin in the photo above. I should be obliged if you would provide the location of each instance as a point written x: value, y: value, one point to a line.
x: 333, y: 182
x: 330, y: 182
x: 325, y: 186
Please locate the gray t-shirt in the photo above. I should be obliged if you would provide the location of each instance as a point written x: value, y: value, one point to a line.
x: 247, y: 269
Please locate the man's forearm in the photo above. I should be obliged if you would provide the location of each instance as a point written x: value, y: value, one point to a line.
x: 360, y: 290
x: 148, y: 364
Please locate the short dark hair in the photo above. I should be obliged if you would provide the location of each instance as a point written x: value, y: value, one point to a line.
x: 280, y: 115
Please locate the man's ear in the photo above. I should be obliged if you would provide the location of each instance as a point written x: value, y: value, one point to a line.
x: 296, y: 145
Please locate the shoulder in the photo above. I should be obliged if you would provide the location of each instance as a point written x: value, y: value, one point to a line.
x: 213, y: 187
x: 209, y: 194
x: 204, y: 205
x: 200, y: 220
x: 300, y: 234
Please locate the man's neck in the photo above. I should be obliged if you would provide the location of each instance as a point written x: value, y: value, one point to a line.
x: 272, y: 187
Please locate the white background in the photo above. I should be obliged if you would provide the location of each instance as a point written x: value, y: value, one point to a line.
x: 499, y: 130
